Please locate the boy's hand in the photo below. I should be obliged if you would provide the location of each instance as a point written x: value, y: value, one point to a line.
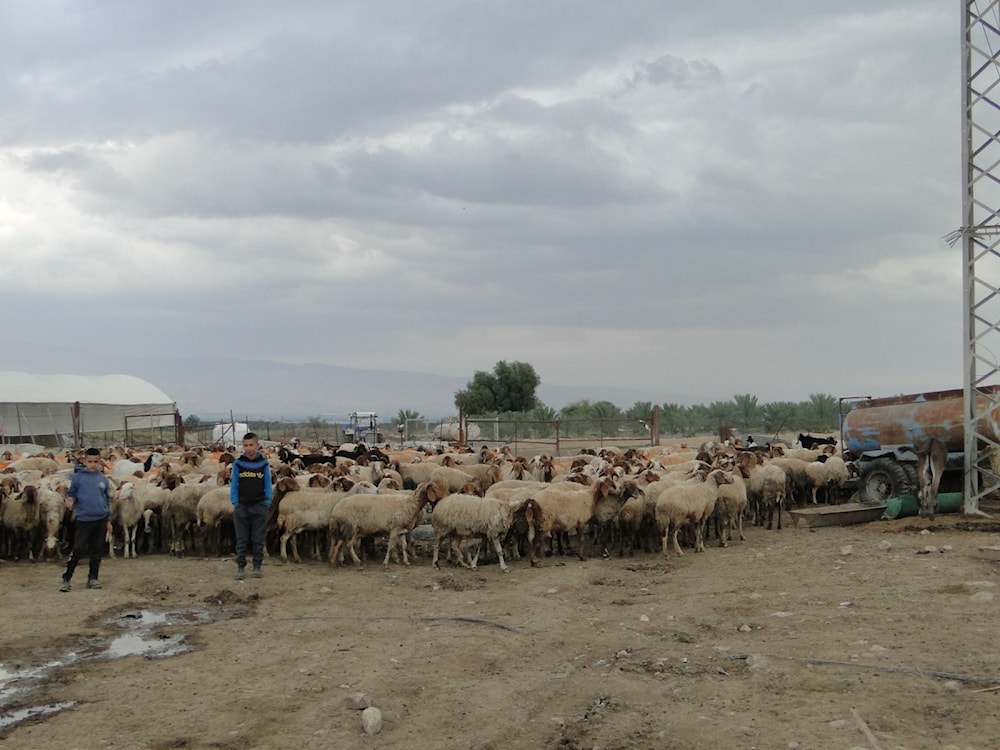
x: 69, y: 503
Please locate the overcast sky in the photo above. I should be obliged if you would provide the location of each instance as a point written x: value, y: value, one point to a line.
x: 709, y: 198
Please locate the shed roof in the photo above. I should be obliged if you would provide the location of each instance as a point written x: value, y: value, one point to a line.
x: 43, y: 404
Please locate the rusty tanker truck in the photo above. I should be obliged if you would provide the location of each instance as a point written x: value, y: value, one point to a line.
x: 881, y: 433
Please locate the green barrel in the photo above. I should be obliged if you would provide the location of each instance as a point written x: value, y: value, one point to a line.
x: 907, y: 505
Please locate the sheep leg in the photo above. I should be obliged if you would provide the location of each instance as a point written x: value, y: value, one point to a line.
x: 581, y: 540
x: 677, y: 547
x: 351, y: 544
x: 459, y: 553
x: 335, y: 547
x: 499, y: 548
x: 474, y: 559
x: 294, y: 539
x: 397, y: 538
x: 437, y: 552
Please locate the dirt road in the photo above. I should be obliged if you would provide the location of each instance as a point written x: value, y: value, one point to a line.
x: 856, y: 637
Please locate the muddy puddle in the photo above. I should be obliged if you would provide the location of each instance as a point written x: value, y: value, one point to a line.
x: 149, y: 633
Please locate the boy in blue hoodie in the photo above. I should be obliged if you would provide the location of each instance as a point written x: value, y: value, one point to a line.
x: 89, y: 497
x: 250, y: 492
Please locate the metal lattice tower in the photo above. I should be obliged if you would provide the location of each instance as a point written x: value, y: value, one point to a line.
x: 980, y: 235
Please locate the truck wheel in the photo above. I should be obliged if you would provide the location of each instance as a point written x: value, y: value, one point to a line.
x: 911, y: 477
x: 884, y: 479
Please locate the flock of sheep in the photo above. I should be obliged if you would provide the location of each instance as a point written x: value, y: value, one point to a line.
x: 175, y: 500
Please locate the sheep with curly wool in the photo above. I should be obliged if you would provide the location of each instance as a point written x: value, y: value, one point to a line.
x: 460, y: 516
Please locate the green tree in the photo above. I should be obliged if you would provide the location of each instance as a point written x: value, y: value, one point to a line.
x: 822, y: 410
x: 510, y: 387
x: 779, y: 415
x: 640, y: 410
x: 193, y: 423
x: 721, y: 415
x: 747, y: 412
x: 605, y: 410
x: 673, y: 419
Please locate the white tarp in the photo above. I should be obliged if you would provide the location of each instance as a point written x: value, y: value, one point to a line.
x: 224, y: 433
x: 43, y: 404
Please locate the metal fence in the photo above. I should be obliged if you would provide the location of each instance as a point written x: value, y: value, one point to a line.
x: 559, y: 436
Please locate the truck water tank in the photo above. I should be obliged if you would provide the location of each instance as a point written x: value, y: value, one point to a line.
x: 884, y: 423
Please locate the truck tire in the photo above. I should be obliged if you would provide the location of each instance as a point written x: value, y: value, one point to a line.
x: 911, y: 477
x: 884, y: 478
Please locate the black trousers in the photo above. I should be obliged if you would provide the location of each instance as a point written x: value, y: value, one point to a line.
x: 251, y: 527
x: 88, y: 540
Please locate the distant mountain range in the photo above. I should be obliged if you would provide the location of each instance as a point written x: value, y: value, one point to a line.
x: 272, y: 390
x: 211, y: 388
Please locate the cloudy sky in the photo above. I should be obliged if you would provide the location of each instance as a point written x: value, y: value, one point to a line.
x: 711, y: 198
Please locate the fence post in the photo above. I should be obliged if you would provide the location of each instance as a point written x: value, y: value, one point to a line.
x: 654, y: 426
x: 558, y: 450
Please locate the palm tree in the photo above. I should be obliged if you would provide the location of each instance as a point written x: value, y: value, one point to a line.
x: 747, y: 410
x: 823, y: 411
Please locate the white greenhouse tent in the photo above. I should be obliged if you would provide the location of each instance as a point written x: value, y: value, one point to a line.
x: 58, y: 410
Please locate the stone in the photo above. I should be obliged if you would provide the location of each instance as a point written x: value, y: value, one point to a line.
x: 847, y: 549
x: 358, y: 701
x: 371, y: 720
x: 885, y: 545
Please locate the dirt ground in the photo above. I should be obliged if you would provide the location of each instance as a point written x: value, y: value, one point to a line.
x: 868, y: 636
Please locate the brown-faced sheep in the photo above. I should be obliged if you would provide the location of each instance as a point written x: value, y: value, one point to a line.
x: 393, y: 513
x: 459, y: 516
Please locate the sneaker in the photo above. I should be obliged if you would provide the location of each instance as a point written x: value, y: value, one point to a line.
x: 255, y: 573
x: 93, y: 583
x: 65, y: 586
x: 239, y: 574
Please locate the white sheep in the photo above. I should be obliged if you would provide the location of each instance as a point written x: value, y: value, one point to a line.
x: 178, y: 513
x: 795, y: 470
x: 454, y: 480
x: 35, y: 463
x: 729, y: 507
x: 29, y: 512
x: 127, y: 509
x: 304, y: 510
x: 414, y: 474
x: 566, y: 507
x: 766, y: 487
x: 460, y: 516
x: 688, y: 504
x: 393, y: 513
x: 214, y: 514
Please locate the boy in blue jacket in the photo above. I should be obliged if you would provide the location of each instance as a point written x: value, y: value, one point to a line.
x: 250, y: 492
x: 89, y: 496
